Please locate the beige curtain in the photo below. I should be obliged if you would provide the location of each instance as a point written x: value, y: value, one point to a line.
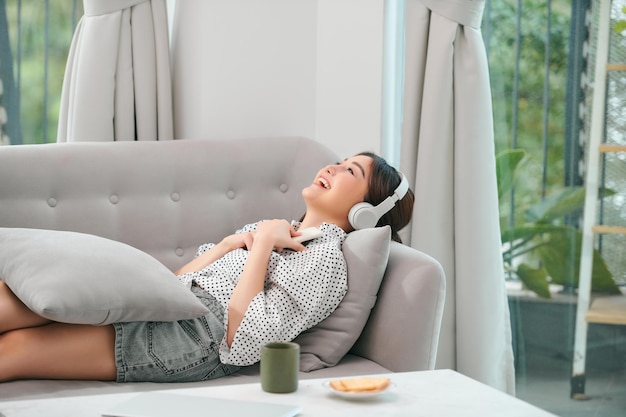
x: 117, y: 83
x: 448, y: 150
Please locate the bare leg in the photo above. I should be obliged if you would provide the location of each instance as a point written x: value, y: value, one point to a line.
x: 14, y: 314
x: 58, y: 351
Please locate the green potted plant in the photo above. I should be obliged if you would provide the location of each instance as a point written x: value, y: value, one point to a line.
x: 542, y: 249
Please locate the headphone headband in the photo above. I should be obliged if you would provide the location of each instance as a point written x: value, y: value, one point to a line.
x: 402, y: 188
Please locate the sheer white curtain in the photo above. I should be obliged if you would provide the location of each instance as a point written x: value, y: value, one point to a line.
x: 448, y: 150
x: 117, y: 83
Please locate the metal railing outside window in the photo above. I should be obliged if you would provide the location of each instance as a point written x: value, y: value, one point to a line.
x: 538, y: 53
x: 535, y: 75
x: 541, y: 62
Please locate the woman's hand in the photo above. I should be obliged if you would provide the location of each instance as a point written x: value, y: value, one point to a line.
x: 237, y: 241
x: 276, y: 233
x: 279, y: 233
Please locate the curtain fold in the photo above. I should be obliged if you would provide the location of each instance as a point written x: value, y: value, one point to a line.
x: 117, y: 83
x: 448, y: 150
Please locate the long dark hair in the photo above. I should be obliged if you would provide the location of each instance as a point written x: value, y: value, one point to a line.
x: 384, y: 179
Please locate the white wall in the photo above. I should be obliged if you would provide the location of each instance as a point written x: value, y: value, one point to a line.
x: 280, y: 67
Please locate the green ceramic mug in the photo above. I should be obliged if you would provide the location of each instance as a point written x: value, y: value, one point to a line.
x: 280, y: 363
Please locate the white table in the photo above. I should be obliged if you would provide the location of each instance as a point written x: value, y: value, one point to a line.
x: 438, y: 393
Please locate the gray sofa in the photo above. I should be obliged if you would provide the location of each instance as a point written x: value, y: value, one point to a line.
x: 166, y: 198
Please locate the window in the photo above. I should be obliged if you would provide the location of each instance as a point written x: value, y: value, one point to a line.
x: 35, y: 37
x: 393, y: 78
x: 541, y: 67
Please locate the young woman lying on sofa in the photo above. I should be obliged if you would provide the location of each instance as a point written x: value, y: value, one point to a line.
x: 259, y: 285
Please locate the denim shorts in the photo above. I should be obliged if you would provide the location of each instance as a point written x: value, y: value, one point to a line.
x: 179, y: 351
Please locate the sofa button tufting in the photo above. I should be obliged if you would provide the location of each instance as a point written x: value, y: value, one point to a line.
x: 114, y: 199
x: 175, y: 196
x: 230, y: 194
x: 179, y: 251
x: 52, y: 202
x: 283, y: 188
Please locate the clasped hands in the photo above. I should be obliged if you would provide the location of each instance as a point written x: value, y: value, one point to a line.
x: 278, y: 232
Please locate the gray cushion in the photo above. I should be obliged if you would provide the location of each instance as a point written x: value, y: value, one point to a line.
x: 80, y: 278
x: 366, y: 252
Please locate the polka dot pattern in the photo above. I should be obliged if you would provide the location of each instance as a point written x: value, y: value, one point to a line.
x: 301, y: 289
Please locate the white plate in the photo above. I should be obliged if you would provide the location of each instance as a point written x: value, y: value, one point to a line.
x: 358, y: 395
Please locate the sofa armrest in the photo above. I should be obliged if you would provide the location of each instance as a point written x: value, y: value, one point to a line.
x: 408, y: 313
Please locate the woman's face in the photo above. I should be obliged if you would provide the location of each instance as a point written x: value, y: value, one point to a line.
x: 336, y: 188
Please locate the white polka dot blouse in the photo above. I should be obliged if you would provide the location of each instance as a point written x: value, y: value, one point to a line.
x: 301, y: 289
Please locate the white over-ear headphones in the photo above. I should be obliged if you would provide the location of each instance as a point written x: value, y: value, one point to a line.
x: 364, y: 215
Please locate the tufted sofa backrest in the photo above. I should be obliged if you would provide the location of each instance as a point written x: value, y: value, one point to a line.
x: 165, y: 198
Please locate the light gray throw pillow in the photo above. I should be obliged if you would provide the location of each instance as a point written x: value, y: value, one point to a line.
x: 80, y: 278
x: 366, y: 252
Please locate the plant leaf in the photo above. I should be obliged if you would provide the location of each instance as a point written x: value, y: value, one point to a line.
x: 528, y: 231
x: 535, y: 279
x: 601, y: 278
x: 507, y: 163
x: 560, y: 257
x: 567, y: 201
x: 557, y: 205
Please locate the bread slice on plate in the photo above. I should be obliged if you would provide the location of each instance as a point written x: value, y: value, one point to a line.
x: 364, y: 385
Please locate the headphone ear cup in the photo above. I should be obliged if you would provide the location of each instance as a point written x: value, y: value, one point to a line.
x: 362, y: 216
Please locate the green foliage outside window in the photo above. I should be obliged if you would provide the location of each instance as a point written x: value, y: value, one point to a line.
x: 538, y: 247
x: 40, y: 37
x: 620, y: 25
x: 527, y: 131
x: 542, y: 250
